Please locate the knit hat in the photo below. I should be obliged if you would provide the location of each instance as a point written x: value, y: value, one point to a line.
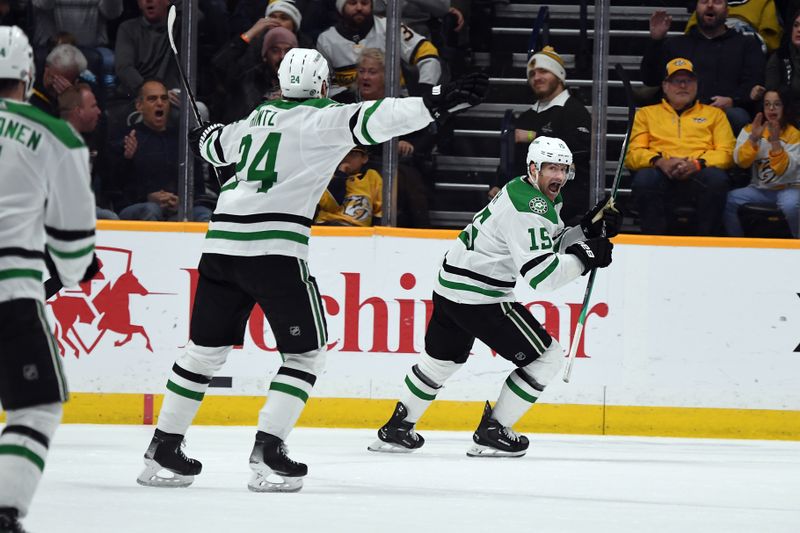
x: 340, y: 5
x: 278, y: 35
x: 547, y: 59
x: 288, y: 7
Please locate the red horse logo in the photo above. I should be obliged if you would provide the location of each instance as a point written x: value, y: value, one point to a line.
x: 107, y: 309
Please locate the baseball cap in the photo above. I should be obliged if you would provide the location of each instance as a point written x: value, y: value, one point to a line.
x: 678, y: 64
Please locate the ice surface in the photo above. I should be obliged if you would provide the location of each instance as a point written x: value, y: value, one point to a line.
x: 565, y: 484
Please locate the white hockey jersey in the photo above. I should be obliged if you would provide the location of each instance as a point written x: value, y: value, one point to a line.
x: 520, y: 233
x: 342, y: 52
x: 286, y: 153
x: 45, y: 201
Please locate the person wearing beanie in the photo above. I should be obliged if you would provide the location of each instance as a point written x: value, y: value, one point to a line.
x: 555, y: 113
x: 249, y: 71
x: 358, y: 29
x: 284, y: 12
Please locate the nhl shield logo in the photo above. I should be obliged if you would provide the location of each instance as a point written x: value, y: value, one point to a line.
x: 294, y: 331
x: 538, y: 205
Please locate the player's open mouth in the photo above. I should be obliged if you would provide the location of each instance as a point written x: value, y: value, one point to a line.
x: 554, y: 187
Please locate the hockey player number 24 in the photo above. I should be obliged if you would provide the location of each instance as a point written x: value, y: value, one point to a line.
x: 258, y: 169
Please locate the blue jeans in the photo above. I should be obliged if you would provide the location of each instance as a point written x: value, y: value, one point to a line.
x: 152, y: 211
x: 787, y: 200
x: 656, y: 196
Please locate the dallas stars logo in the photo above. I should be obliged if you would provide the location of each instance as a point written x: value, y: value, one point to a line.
x: 538, y: 205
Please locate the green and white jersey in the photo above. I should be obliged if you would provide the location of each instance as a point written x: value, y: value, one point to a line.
x: 45, y: 201
x: 520, y: 233
x: 285, y: 154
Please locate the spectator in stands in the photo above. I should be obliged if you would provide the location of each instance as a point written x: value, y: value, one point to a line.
x: 61, y: 70
x: 680, y: 147
x: 783, y: 67
x: 86, y: 21
x: 147, y: 161
x: 143, y: 52
x: 422, y: 15
x: 354, y: 195
x: 358, y: 29
x: 729, y: 65
x: 770, y: 147
x: 283, y: 13
x: 247, y: 83
x: 78, y: 106
x: 555, y: 113
x: 754, y: 17
x: 12, y: 13
x: 413, y: 192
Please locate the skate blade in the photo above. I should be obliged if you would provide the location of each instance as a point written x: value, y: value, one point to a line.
x: 387, y: 447
x: 477, y: 450
x: 264, y: 479
x: 150, y: 477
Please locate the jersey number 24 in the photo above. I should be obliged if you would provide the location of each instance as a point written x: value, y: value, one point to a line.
x: 262, y: 167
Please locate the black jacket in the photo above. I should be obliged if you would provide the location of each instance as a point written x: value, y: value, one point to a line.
x: 728, y: 65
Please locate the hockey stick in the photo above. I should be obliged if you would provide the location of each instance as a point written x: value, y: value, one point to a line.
x: 576, y: 337
x: 171, y: 16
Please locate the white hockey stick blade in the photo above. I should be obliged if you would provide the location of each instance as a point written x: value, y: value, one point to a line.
x: 387, y: 447
x: 477, y: 450
x: 154, y: 475
x: 573, y: 350
x: 173, y: 13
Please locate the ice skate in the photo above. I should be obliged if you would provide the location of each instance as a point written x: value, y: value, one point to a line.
x: 9, y: 522
x: 273, y: 471
x: 492, y: 439
x: 165, y: 464
x: 397, y: 435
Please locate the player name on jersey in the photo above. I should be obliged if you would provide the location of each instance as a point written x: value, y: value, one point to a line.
x: 17, y: 131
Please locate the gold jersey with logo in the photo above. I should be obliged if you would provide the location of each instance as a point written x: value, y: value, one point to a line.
x: 520, y: 234
x: 362, y: 201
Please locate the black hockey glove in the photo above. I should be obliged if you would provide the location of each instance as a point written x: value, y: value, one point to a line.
x: 198, y: 135
x: 605, y: 212
x: 91, y: 270
x: 458, y: 95
x: 593, y: 253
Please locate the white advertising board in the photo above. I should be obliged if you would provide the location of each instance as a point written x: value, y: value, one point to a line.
x: 682, y: 326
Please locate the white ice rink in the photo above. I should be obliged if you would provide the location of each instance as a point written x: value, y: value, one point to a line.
x: 564, y: 484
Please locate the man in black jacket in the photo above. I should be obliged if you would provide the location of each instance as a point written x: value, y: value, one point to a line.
x: 729, y: 65
x: 556, y: 113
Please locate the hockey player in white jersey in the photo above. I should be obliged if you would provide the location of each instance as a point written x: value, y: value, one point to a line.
x: 46, y: 203
x: 256, y: 249
x: 518, y: 235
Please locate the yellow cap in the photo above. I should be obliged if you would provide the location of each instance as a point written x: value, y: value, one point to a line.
x: 677, y: 64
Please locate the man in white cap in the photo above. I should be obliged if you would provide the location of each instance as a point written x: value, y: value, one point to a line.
x: 358, y: 29
x: 555, y: 113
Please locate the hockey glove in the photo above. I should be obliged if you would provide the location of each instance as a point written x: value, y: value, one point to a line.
x: 605, y: 212
x: 91, y: 270
x: 198, y: 136
x: 593, y: 253
x: 458, y: 95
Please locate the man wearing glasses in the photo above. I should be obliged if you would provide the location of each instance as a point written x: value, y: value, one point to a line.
x: 680, y: 149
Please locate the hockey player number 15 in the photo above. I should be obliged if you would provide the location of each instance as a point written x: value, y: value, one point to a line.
x: 470, y: 233
x: 544, y: 242
x: 258, y: 169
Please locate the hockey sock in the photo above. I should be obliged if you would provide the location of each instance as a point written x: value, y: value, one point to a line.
x: 187, y: 385
x: 424, y: 382
x: 289, y: 392
x: 519, y: 393
x: 23, y: 451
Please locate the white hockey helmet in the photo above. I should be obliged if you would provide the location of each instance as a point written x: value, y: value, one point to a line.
x: 303, y: 73
x: 550, y: 150
x: 16, y: 57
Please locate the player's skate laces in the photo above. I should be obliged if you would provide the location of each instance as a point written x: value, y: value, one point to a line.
x: 273, y: 470
x: 165, y: 464
x: 492, y: 439
x: 9, y: 522
x: 397, y: 435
